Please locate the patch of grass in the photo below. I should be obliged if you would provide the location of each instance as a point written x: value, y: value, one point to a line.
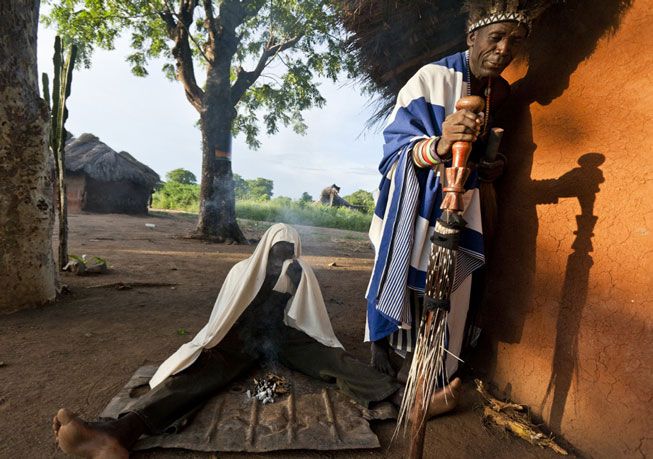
x: 277, y: 211
x: 309, y: 215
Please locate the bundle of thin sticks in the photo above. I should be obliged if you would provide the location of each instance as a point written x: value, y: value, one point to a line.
x: 428, y: 368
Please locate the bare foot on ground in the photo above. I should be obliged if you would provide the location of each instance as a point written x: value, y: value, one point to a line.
x: 381, y: 358
x: 445, y: 399
x: 402, y: 376
x: 85, y: 439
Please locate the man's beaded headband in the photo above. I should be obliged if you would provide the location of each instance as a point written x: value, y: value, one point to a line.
x: 500, y: 17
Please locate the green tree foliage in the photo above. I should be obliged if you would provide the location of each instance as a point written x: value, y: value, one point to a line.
x: 240, y: 187
x: 181, y: 176
x: 303, y: 37
x: 280, y: 210
x: 252, y: 206
x: 262, y: 60
x: 283, y: 201
x: 361, y: 198
x: 177, y: 196
x: 260, y: 189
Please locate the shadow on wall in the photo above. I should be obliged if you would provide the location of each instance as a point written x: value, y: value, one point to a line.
x: 568, y: 34
x: 582, y: 183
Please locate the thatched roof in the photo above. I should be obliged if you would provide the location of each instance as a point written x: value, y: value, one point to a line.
x: 87, y: 154
x: 392, y: 39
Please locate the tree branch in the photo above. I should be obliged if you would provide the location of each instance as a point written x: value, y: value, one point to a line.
x: 210, y: 18
x: 184, y: 55
x: 169, y: 20
x: 246, y: 79
x: 185, y: 19
x: 234, y: 12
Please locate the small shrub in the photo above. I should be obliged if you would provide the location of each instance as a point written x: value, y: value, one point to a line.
x: 185, y: 197
x: 181, y: 176
x: 283, y: 211
x: 177, y: 196
x: 362, y: 198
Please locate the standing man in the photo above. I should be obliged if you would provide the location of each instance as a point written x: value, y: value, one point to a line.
x: 418, y: 138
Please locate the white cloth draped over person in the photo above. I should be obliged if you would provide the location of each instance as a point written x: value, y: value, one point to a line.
x: 305, y: 310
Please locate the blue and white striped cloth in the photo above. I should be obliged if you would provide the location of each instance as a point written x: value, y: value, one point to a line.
x: 408, y: 205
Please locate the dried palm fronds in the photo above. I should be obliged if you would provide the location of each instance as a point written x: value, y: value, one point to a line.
x: 514, y: 418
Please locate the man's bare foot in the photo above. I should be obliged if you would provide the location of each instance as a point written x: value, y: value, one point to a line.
x: 86, y: 439
x: 402, y: 376
x: 381, y: 357
x: 445, y: 399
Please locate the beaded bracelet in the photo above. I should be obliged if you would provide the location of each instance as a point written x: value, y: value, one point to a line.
x: 424, y: 153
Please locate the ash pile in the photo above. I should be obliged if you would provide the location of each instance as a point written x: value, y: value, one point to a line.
x: 269, y: 388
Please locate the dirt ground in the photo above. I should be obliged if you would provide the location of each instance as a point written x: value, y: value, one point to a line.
x: 79, y: 351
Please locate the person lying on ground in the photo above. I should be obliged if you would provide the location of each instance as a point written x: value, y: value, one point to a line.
x: 269, y: 308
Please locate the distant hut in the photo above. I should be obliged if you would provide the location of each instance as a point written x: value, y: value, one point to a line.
x: 98, y: 179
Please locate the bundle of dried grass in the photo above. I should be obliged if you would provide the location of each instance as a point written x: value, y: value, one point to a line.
x: 514, y: 418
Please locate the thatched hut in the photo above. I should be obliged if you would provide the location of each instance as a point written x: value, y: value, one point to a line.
x: 566, y: 321
x: 98, y: 179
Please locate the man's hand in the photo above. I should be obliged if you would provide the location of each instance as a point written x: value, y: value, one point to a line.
x: 464, y: 125
x: 489, y: 171
x: 294, y: 272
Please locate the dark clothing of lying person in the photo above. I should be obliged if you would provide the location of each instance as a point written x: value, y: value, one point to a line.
x: 247, y: 343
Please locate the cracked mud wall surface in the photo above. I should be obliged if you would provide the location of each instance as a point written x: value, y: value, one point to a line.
x: 567, y: 319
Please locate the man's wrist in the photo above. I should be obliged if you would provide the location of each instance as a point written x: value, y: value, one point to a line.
x: 442, y: 149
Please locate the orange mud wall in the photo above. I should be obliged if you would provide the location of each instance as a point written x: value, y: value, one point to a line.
x: 567, y: 324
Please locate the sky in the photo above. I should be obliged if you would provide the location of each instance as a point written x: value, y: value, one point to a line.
x: 151, y: 119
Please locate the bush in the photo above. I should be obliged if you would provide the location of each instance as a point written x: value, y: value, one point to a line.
x: 185, y: 197
x: 282, y: 211
x: 361, y: 198
x: 181, y: 176
x: 259, y: 189
x: 282, y: 201
x: 177, y: 196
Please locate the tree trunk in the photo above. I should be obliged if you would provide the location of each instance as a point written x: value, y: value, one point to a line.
x: 217, y: 218
x: 27, y: 269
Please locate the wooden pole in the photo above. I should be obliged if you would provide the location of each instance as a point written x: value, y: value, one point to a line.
x: 417, y: 414
x: 452, y: 202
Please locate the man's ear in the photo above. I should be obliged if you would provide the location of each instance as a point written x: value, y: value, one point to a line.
x: 471, y: 38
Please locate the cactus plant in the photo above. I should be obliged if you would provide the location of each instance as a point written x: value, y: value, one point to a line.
x: 61, y: 87
x: 46, y: 88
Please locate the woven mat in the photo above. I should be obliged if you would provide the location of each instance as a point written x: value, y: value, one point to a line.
x: 313, y: 416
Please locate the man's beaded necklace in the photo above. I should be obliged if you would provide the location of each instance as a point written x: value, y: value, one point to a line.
x: 487, y: 93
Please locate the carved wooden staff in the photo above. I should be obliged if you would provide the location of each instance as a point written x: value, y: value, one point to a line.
x: 428, y: 359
